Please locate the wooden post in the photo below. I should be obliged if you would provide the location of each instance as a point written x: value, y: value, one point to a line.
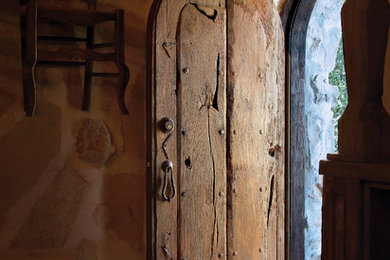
x: 357, y: 180
x: 365, y: 126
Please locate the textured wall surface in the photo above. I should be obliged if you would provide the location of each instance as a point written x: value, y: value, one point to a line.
x: 73, y: 182
x: 324, y: 34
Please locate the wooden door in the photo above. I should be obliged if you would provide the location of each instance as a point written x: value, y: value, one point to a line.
x: 217, y: 72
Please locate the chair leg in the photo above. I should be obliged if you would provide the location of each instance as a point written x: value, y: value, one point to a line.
x: 124, y: 73
x: 87, y: 86
x: 124, y: 77
x: 88, y: 72
x: 29, y: 88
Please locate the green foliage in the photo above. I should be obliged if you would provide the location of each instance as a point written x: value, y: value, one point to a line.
x: 337, y: 78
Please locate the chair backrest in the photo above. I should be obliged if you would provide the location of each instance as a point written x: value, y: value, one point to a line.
x: 91, y: 4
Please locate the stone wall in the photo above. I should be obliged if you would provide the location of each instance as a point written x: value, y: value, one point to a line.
x: 323, y: 37
x: 73, y: 182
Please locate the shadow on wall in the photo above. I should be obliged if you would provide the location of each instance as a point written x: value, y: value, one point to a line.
x: 73, y: 184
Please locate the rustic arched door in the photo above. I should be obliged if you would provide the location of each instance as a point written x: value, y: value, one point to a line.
x: 216, y: 131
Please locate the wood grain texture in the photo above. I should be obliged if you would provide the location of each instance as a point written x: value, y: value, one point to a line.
x: 256, y: 129
x: 356, y: 170
x: 209, y: 3
x: 202, y: 56
x: 188, y: 84
x: 163, y: 233
x: 202, y: 105
x: 343, y: 223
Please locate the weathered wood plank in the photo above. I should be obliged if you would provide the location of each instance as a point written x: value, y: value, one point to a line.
x: 201, y: 104
x: 209, y: 3
x: 189, y: 45
x: 256, y: 111
x: 163, y: 104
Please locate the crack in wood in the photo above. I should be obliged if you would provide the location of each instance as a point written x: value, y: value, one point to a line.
x: 211, y: 99
x: 165, y: 247
x: 273, y: 150
x: 164, y: 146
x: 271, y: 194
x: 213, y: 239
x: 214, y: 104
x: 215, y: 99
x: 217, y: 233
x: 210, y: 13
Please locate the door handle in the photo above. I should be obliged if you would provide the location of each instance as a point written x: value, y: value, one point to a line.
x: 166, y: 125
x: 167, y: 167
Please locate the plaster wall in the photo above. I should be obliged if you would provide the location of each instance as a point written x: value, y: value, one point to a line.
x: 73, y: 182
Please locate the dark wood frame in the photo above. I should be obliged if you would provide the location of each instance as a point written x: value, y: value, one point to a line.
x: 149, y: 115
x: 295, y: 21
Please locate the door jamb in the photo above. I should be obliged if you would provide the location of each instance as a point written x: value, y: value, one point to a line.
x: 295, y: 21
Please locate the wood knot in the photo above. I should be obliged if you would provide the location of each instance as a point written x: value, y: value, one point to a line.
x: 273, y: 150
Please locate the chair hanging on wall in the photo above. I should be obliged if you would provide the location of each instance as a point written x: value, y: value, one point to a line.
x: 32, y: 14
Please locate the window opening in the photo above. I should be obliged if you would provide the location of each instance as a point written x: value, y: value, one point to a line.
x: 337, y: 78
x: 325, y: 101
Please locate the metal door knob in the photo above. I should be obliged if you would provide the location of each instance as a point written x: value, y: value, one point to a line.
x: 167, y: 125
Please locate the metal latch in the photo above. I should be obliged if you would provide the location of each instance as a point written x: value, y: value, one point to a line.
x: 167, y: 167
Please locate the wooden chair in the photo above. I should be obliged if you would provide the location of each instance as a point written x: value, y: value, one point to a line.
x: 88, y: 18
